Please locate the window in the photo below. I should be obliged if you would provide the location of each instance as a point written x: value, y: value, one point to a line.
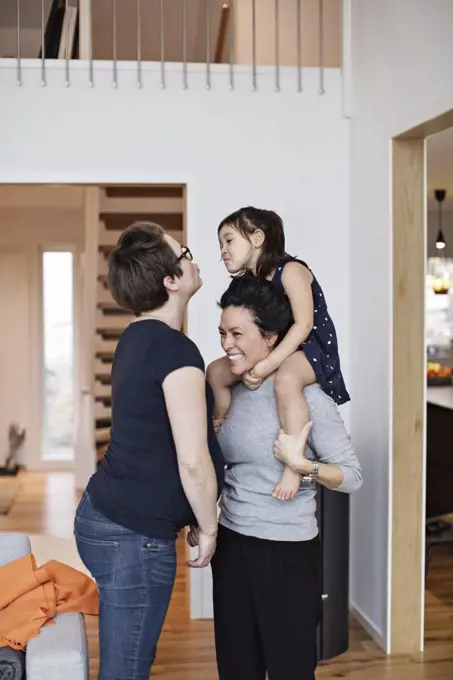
x: 58, y: 343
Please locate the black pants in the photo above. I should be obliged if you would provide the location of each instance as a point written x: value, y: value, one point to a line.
x: 267, y: 605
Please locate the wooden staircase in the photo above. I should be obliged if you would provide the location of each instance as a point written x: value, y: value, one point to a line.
x: 120, y: 206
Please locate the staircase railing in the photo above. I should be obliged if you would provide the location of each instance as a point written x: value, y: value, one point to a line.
x: 238, y: 33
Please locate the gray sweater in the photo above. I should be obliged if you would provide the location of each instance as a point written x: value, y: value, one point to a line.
x: 247, y: 440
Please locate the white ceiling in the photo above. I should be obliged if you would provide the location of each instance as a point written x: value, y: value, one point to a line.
x: 440, y: 166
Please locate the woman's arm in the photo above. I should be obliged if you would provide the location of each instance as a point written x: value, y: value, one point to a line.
x: 296, y: 280
x: 339, y: 467
x: 185, y: 399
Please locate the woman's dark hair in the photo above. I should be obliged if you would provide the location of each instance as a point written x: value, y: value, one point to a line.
x: 137, y: 268
x: 246, y: 221
x: 269, y: 307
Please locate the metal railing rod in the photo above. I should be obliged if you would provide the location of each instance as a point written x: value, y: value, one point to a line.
x: 43, y: 45
x: 321, y: 47
x: 114, y: 45
x: 18, y: 55
x: 67, y: 77
x: 299, y: 46
x: 139, y: 44
x: 277, y: 44
x: 185, y: 82
x: 162, y: 46
x: 254, y: 87
x: 231, y: 44
x: 90, y: 44
x: 208, y: 42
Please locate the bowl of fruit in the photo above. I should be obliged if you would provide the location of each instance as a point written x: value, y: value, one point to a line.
x: 439, y: 374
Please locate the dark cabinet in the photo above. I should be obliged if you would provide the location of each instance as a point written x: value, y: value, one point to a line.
x: 439, y: 468
x: 333, y: 522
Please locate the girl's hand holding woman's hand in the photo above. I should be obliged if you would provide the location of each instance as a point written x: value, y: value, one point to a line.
x: 263, y: 369
x: 251, y: 381
x: 254, y: 378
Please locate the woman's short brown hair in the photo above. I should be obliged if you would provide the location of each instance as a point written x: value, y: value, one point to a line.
x: 137, y: 268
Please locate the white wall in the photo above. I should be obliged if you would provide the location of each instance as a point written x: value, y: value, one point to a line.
x: 402, y: 54
x: 24, y: 233
x: 283, y: 151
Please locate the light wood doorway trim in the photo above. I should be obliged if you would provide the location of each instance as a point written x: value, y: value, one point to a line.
x: 407, y: 593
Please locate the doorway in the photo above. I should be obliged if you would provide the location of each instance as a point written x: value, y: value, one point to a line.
x: 408, y: 464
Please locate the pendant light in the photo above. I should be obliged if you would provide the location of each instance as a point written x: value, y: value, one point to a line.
x: 440, y: 279
x: 439, y: 195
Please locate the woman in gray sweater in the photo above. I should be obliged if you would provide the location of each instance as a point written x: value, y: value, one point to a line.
x: 266, y: 570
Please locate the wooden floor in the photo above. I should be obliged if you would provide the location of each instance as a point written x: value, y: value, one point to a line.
x: 46, y: 505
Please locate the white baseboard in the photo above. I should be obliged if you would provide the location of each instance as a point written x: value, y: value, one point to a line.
x: 368, y: 625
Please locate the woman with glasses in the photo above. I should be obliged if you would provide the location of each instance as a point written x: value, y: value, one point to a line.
x: 163, y: 469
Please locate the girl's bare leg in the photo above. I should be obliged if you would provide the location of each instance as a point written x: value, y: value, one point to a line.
x: 294, y: 374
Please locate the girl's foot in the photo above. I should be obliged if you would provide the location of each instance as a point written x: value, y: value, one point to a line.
x: 288, y: 486
x: 290, y: 449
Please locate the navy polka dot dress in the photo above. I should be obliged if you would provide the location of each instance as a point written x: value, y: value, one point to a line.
x: 321, y: 347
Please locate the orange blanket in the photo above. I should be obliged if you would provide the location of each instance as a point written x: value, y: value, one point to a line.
x: 30, y: 597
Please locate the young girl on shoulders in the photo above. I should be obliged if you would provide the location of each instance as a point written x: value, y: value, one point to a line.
x: 252, y: 241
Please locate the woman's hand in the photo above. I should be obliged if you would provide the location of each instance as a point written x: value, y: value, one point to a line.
x: 206, y: 547
x: 290, y: 449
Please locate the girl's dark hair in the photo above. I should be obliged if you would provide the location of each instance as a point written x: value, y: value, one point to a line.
x: 270, y: 308
x: 137, y: 268
x: 246, y: 221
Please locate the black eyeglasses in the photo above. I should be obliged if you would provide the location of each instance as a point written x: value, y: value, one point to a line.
x: 185, y: 252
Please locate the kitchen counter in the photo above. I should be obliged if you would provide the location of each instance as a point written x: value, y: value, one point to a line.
x: 440, y: 396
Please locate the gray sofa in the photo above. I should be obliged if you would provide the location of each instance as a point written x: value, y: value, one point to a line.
x: 59, y: 651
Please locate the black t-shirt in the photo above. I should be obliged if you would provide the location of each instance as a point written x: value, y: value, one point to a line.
x: 137, y: 484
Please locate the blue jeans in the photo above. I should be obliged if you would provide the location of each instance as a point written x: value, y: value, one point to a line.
x: 135, y: 577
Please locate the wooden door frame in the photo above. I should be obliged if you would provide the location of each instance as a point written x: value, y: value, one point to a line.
x: 408, y: 452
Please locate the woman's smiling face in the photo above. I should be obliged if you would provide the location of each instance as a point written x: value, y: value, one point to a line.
x: 242, y: 340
